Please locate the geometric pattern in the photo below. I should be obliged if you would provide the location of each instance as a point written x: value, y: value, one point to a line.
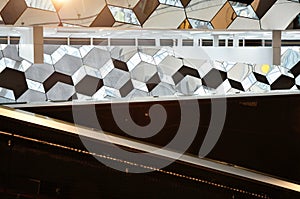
x: 126, y: 72
x: 165, y: 14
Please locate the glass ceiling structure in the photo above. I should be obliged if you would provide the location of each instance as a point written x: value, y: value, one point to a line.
x: 161, y: 14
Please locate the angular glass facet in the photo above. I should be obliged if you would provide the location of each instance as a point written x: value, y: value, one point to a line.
x: 239, y: 72
x: 134, y: 61
x: 290, y: 58
x: 163, y: 89
x: 248, y: 81
x: 32, y: 96
x: 139, y: 85
x: 260, y: 87
x: 243, y: 10
x: 41, y: 4
x: 7, y: 93
x: 60, y: 92
x: 176, y: 3
x: 143, y: 72
x: 204, y: 9
x: 188, y: 85
x: 124, y: 15
x: 199, y: 24
x: 160, y: 56
x: 36, y: 86
x: 273, y: 75
x: 146, y: 58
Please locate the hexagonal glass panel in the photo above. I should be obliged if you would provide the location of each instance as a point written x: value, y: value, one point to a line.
x: 243, y: 10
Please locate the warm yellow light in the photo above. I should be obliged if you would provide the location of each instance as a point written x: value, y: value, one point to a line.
x: 265, y: 68
x: 59, y: 1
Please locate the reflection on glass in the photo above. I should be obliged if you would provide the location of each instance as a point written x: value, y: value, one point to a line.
x: 248, y: 81
x: 228, y: 65
x: 7, y: 93
x: 224, y: 17
x: 62, y: 51
x: 124, y: 15
x: 239, y: 72
x: 41, y: 4
x: 139, y: 85
x: 160, y: 56
x: 36, y: 86
x: 134, y: 61
x: 200, y: 24
x: 6, y: 62
x: 263, y: 69
x: 172, y: 2
x: 189, y: 85
x: 261, y: 7
x: 185, y: 25
x: 259, y: 87
x: 147, y: 58
x: 143, y: 72
x: 48, y: 59
x: 274, y: 74
x: 243, y: 10
x: 290, y: 58
x: 277, y: 72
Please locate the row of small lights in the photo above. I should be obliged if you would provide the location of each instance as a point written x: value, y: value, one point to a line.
x: 137, y: 165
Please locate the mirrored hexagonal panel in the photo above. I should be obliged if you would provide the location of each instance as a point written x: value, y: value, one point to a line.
x: 183, y: 72
x: 68, y: 65
x: 39, y: 72
x: 214, y: 78
x: 163, y: 89
x: 7, y: 94
x: 116, y: 78
x: 262, y: 7
x: 243, y: 10
x: 143, y: 72
x: 60, y: 92
x: 165, y: 16
x: 144, y: 9
x: 273, y: 20
x: 80, y: 12
x: 281, y: 79
x: 176, y: 3
x: 203, y: 9
x: 224, y: 17
x: 88, y: 85
x: 153, y: 82
x: 124, y: 15
x: 290, y: 58
x: 41, y: 4
x: 96, y: 58
x: 189, y: 85
x: 168, y: 67
x: 13, y: 80
x: 55, y: 78
x: 32, y: 96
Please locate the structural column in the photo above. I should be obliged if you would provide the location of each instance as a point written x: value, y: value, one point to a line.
x: 216, y: 41
x: 276, y: 38
x: 38, y: 44
x: 32, y: 44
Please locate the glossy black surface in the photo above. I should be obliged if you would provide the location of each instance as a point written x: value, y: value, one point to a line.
x: 30, y: 169
x: 260, y: 133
